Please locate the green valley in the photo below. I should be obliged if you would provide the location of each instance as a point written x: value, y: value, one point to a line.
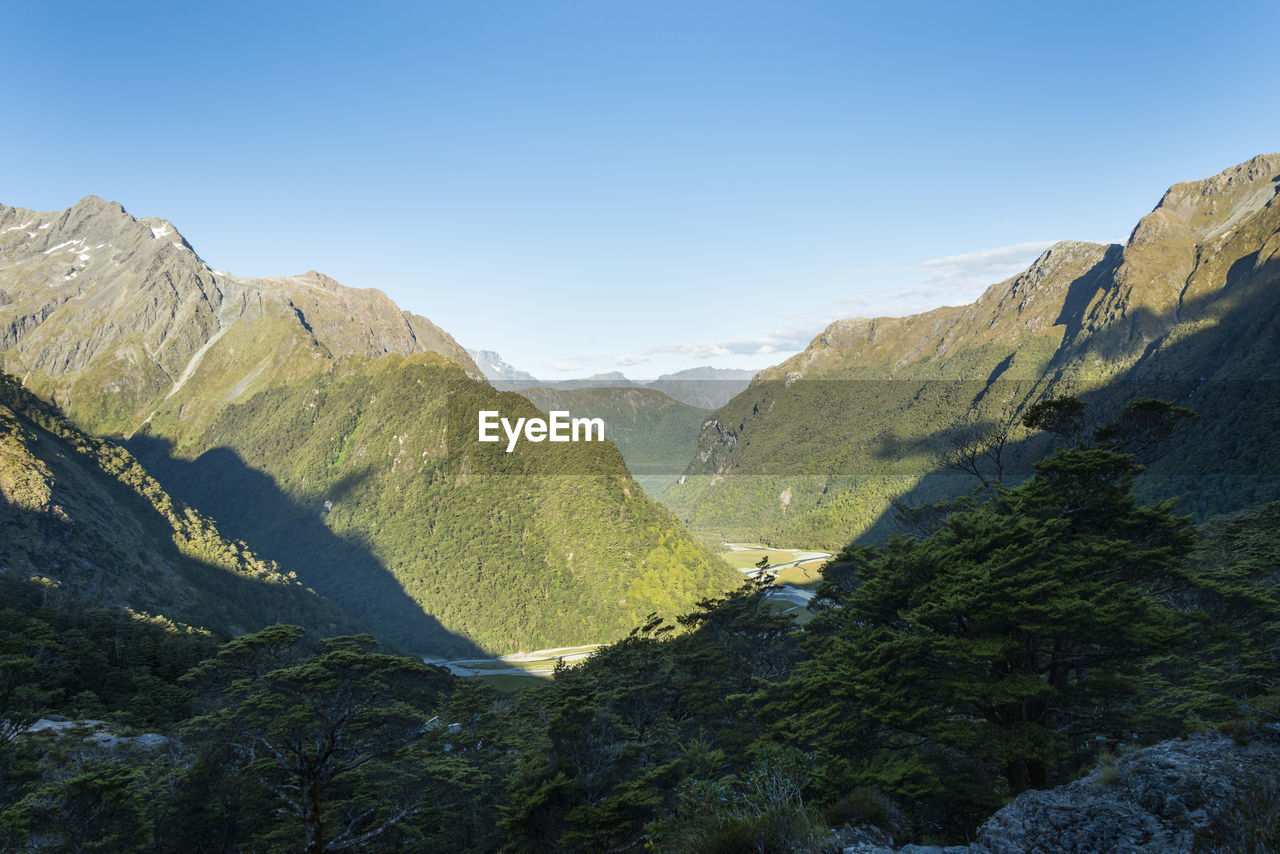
x: 334, y: 434
x: 718, y: 428
x: 252, y: 540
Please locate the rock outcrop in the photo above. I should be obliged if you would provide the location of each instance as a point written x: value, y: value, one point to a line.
x: 1176, y: 796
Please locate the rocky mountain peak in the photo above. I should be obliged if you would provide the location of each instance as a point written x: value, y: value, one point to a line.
x: 97, y: 205
x: 497, y: 369
x: 320, y: 280
x: 91, y: 290
x: 1121, y: 295
x: 1190, y: 298
x: 1199, y: 209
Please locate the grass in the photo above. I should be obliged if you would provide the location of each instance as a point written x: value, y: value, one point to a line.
x: 780, y: 606
x: 747, y: 558
x: 540, y: 664
x: 1108, y: 772
x: 807, y: 574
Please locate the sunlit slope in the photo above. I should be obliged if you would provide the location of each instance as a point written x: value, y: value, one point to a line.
x: 817, y: 448
x: 546, y: 546
x: 82, y: 514
x: 108, y: 315
x: 313, y: 421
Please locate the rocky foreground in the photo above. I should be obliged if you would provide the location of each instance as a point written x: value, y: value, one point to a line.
x: 1207, y: 793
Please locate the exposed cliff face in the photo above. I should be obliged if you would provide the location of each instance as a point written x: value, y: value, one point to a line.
x: 1188, y: 307
x: 93, y: 301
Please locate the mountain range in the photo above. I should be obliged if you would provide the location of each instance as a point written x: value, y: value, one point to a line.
x: 703, y: 387
x: 212, y: 486
x: 327, y: 430
x: 333, y: 433
x: 818, y: 448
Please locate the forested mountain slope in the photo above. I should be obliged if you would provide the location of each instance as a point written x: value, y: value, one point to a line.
x: 335, y: 433
x: 371, y: 472
x: 815, y: 450
x: 83, y: 515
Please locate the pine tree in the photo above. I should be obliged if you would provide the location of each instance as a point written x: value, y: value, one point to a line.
x: 329, y: 736
x: 990, y: 653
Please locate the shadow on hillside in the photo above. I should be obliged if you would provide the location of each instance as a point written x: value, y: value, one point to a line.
x: 248, y: 505
x: 1228, y: 371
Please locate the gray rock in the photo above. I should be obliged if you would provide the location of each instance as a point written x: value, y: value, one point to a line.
x: 1158, y: 799
x: 864, y: 839
x: 100, y: 736
x: 498, y: 370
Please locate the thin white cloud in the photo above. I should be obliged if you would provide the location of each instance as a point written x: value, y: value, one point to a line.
x: 986, y: 265
x: 949, y: 280
x: 626, y: 360
x: 786, y: 340
x: 888, y: 291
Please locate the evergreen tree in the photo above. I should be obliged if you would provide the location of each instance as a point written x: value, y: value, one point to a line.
x: 1001, y: 645
x: 329, y: 736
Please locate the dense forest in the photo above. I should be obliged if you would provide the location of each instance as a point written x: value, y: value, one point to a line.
x: 327, y: 431
x: 1015, y: 638
x: 368, y: 479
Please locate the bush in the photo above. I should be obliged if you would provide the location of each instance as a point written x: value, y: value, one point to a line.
x: 862, y: 806
x: 763, y: 813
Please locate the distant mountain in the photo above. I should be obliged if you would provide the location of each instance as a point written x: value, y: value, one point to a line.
x: 610, y: 379
x: 498, y: 371
x: 655, y: 424
x: 705, y: 387
x: 815, y: 450
x: 334, y: 433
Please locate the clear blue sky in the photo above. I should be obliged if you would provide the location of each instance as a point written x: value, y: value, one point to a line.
x: 641, y: 186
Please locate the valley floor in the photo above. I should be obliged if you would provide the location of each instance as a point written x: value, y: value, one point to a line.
x: 797, y: 578
x: 797, y: 575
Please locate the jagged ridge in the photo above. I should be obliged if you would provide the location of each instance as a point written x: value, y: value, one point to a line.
x: 1187, y: 308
